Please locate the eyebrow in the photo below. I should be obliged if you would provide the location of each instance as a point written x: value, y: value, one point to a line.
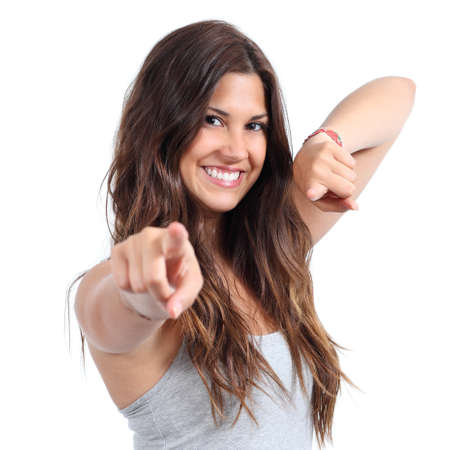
x: 224, y: 113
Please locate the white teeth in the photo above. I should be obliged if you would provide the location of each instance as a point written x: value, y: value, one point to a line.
x: 222, y: 176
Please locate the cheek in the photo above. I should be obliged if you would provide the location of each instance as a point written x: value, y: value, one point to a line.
x: 206, y: 138
x: 184, y: 169
x: 188, y: 167
x: 261, y: 154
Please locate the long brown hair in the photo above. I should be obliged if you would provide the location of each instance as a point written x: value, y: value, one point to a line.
x: 263, y: 239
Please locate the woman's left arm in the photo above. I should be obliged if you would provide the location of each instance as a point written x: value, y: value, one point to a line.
x: 368, y: 121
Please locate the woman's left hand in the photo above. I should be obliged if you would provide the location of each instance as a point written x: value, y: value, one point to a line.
x: 324, y: 172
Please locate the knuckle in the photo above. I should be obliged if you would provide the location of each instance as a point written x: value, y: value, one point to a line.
x: 126, y: 242
x: 135, y: 240
x: 328, y: 153
x: 116, y: 251
x: 146, y: 232
x: 147, y: 238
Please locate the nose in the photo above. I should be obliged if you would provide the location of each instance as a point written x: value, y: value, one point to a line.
x: 236, y: 146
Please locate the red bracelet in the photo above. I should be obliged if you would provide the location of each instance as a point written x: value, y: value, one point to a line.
x: 333, y: 135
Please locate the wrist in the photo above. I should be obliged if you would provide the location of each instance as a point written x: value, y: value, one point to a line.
x: 127, y: 304
x: 318, y: 138
x: 143, y: 306
x: 325, y: 133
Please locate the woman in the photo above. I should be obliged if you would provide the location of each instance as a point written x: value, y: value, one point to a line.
x: 205, y: 306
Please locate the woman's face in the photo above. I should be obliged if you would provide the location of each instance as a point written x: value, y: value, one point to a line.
x: 231, y: 142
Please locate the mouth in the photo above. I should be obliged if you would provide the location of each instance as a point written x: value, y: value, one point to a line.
x: 223, y: 182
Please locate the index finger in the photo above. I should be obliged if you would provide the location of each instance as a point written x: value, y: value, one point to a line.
x: 174, y: 240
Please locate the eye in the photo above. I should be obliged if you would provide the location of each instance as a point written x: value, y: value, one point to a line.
x: 253, y: 126
x: 262, y: 126
x: 210, y: 119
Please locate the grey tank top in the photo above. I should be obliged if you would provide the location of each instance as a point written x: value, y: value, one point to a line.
x: 176, y: 412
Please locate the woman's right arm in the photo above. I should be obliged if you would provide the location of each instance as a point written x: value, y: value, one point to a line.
x: 151, y: 273
x: 109, y: 324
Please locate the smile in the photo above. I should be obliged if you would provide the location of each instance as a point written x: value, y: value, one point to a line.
x: 227, y: 183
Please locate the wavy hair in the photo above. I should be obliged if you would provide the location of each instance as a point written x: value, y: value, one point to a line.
x: 263, y: 239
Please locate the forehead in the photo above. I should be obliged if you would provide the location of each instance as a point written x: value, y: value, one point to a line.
x: 237, y: 91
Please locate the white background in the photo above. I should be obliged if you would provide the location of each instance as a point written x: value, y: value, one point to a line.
x: 381, y: 274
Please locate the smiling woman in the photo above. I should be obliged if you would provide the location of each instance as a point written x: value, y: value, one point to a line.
x: 230, y: 149
x: 203, y: 142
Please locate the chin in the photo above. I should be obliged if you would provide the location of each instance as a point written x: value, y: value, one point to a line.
x: 217, y: 207
x: 223, y: 209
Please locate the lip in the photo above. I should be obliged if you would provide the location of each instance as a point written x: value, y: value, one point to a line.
x: 229, y: 168
x: 223, y: 183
